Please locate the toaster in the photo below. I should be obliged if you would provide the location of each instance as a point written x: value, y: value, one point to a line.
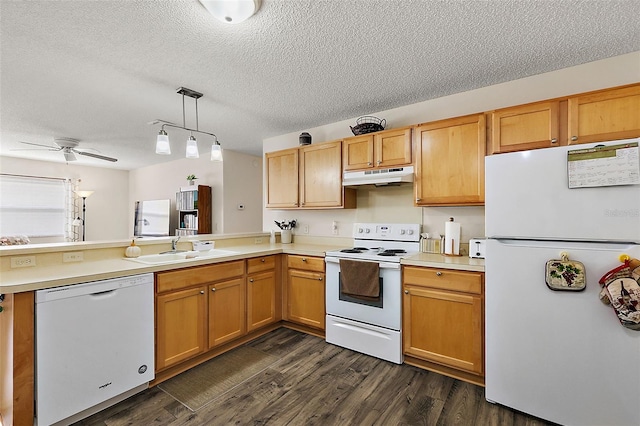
x: 477, y: 247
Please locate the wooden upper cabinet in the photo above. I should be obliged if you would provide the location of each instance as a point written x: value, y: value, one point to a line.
x: 385, y: 149
x: 605, y: 115
x: 308, y: 177
x: 392, y: 148
x: 358, y: 152
x: 321, y: 175
x: 450, y: 162
x: 282, y: 178
x: 525, y: 127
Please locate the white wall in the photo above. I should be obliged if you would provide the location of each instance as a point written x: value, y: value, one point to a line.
x: 107, y: 208
x: 396, y: 204
x: 242, y: 186
x: 238, y: 179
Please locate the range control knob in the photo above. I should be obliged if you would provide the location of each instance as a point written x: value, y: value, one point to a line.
x: 410, y: 231
x: 360, y: 231
x: 402, y: 232
x: 367, y: 230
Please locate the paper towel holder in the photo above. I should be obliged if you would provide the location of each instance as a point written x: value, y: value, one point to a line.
x: 452, y: 254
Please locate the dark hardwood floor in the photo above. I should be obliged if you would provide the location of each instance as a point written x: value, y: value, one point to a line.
x: 315, y: 383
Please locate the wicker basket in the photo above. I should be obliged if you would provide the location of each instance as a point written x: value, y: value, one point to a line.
x: 368, y: 124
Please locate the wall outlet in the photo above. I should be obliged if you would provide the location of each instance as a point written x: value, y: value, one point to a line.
x: 258, y: 240
x: 23, y: 261
x: 334, y: 228
x: 73, y: 256
x: 305, y: 229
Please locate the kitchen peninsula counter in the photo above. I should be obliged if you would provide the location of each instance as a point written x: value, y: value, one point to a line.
x: 50, y: 271
x: 106, y: 260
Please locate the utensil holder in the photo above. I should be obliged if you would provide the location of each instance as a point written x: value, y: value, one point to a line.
x: 285, y: 236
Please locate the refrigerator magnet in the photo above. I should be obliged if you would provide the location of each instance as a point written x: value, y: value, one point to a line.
x: 565, y: 274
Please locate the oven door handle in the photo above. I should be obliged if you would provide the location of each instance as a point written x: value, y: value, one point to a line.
x: 382, y: 265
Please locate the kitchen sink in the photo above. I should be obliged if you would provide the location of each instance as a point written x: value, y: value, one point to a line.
x: 156, y: 259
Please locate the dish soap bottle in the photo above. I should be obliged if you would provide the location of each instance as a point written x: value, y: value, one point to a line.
x: 133, y: 250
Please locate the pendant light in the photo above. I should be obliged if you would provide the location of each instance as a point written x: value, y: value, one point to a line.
x: 216, y: 151
x: 192, y: 148
x: 163, y: 147
x: 231, y: 11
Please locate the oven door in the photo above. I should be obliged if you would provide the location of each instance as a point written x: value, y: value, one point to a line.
x: 385, y: 314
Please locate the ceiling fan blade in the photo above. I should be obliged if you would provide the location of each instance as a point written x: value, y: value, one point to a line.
x: 100, y: 157
x: 50, y: 147
x: 69, y: 156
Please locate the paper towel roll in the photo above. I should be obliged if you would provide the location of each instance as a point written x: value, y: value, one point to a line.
x: 452, y: 238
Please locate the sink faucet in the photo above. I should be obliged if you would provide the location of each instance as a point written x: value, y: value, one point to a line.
x: 174, y: 247
x: 173, y: 244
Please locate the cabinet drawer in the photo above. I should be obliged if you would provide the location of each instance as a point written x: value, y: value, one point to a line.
x: 445, y: 279
x: 183, y: 278
x: 258, y: 264
x: 306, y: 263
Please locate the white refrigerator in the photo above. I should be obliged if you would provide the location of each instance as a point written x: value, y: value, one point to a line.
x: 562, y: 356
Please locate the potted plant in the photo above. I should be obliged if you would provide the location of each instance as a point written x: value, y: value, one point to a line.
x: 191, y: 179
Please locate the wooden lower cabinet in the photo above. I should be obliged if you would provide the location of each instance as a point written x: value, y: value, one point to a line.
x: 261, y: 292
x: 180, y: 325
x: 197, y: 309
x: 306, y: 291
x: 443, y: 318
x: 227, y: 317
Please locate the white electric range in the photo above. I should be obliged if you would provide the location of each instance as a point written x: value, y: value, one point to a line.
x: 373, y: 327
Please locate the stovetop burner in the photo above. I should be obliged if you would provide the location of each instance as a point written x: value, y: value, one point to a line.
x: 352, y: 250
x: 391, y: 252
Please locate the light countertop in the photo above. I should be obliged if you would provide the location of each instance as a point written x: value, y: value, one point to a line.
x: 111, y: 264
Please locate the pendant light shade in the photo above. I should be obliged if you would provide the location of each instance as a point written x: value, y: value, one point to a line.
x: 231, y: 11
x: 192, y: 148
x: 216, y: 152
x: 162, y: 144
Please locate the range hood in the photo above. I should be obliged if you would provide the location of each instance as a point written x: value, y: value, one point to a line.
x: 379, y: 177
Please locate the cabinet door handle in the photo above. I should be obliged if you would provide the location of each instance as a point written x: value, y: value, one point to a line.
x: 302, y: 204
x: 213, y: 289
x: 304, y: 259
x: 250, y: 280
x: 369, y: 164
x: 406, y: 292
x: 574, y: 138
x: 262, y: 260
x: 418, y: 200
x: 201, y: 291
x: 320, y: 279
x: 379, y: 162
x: 554, y: 140
x: 438, y: 273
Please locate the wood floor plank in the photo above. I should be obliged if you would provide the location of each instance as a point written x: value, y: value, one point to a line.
x: 315, y: 383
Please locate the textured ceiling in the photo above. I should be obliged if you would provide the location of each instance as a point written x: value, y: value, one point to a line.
x: 100, y: 71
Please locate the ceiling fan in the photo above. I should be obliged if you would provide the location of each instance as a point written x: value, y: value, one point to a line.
x: 68, y: 147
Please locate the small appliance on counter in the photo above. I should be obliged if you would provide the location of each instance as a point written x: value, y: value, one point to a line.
x: 477, y: 248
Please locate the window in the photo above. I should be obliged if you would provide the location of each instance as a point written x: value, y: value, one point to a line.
x: 32, y: 206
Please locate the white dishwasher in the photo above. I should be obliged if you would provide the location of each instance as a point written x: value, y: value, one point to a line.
x: 94, y: 346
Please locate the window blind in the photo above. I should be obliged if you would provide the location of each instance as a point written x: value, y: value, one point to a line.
x: 32, y: 206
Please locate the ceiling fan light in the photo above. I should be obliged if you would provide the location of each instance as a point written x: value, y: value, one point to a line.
x: 192, y: 148
x: 231, y: 11
x: 216, y: 152
x: 162, y: 144
x: 69, y: 156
